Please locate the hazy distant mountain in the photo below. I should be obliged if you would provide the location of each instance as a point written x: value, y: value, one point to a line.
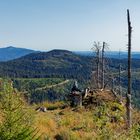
x: 10, y: 53
x: 110, y: 54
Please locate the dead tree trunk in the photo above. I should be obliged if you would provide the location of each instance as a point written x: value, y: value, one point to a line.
x: 103, y: 64
x: 98, y: 68
x: 128, y: 95
x: 96, y: 49
x: 113, y: 80
x: 120, y: 93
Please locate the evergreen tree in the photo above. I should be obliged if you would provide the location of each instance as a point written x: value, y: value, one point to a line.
x: 17, y: 118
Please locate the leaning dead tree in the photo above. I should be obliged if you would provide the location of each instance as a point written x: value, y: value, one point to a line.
x: 128, y: 95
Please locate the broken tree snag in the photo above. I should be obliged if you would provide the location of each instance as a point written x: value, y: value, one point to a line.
x: 96, y: 49
x: 103, y: 50
x: 128, y: 95
x: 120, y: 92
x: 113, y: 81
x: 98, y: 67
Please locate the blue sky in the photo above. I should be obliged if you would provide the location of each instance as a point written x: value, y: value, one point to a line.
x: 68, y: 24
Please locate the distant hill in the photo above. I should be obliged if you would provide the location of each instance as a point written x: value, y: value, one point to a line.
x: 56, y: 63
x: 10, y: 53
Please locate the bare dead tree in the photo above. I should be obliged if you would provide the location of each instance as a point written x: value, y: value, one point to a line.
x: 103, y: 50
x: 128, y: 95
x: 113, y: 83
x: 97, y: 48
x: 104, y: 65
x: 120, y: 93
x: 98, y: 76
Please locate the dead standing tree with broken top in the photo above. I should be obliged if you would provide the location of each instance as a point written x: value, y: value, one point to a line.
x: 128, y: 95
x: 97, y: 48
x: 98, y: 76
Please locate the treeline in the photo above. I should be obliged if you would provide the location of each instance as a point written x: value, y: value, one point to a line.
x: 37, y: 90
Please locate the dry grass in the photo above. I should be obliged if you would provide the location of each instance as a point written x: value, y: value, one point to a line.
x: 73, y: 124
x: 78, y: 124
x: 86, y: 124
x: 1, y: 118
x: 53, y: 105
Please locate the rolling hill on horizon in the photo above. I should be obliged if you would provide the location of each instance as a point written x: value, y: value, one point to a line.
x: 10, y: 53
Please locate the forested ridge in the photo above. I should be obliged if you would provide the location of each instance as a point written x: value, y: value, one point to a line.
x: 56, y: 63
x: 64, y: 64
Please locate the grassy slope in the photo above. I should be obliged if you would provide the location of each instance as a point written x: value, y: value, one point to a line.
x: 94, y: 122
